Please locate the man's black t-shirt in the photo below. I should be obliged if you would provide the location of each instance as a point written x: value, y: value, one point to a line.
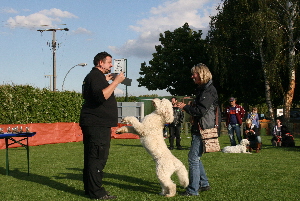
x: 96, y: 110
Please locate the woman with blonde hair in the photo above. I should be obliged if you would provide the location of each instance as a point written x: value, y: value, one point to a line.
x: 203, y: 112
x: 251, y: 133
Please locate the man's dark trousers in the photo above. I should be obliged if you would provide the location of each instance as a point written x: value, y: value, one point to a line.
x: 96, y: 142
x: 174, y: 132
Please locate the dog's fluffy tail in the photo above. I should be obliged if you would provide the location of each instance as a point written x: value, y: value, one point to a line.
x: 183, y: 176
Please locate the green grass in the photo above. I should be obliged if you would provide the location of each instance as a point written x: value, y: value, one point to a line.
x: 56, y: 173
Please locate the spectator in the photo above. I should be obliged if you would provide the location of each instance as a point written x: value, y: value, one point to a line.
x: 251, y: 133
x: 175, y: 126
x: 254, y: 117
x: 278, y: 132
x: 235, y: 115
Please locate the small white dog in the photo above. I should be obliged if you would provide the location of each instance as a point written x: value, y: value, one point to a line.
x: 150, y: 131
x: 240, y: 148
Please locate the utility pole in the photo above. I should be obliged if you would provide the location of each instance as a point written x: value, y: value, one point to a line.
x: 50, y: 81
x: 126, y: 97
x: 54, y: 51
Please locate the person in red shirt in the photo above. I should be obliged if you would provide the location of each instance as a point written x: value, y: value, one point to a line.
x: 235, y: 114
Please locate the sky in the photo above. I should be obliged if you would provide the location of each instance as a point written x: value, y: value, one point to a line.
x: 124, y: 28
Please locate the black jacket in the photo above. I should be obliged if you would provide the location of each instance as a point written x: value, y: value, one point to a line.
x: 203, y: 110
x: 250, y: 135
x: 178, y: 117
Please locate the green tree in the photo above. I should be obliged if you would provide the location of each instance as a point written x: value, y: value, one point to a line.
x: 232, y: 54
x: 170, y: 67
x: 267, y: 32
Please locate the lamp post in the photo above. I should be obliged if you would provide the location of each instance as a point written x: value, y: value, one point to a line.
x: 81, y: 64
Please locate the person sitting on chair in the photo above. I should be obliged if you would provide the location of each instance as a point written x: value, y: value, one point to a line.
x: 282, y: 136
x: 278, y: 131
x: 251, y: 133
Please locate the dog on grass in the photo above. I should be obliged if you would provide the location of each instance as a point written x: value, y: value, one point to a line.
x: 240, y: 148
x: 150, y: 131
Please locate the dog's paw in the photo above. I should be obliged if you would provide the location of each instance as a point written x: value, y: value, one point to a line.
x: 121, y: 130
x: 128, y: 120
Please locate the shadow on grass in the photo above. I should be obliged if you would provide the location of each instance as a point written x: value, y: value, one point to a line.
x: 110, y: 179
x: 131, y: 183
x: 269, y: 146
x: 43, y: 180
x: 120, y: 181
x: 129, y: 145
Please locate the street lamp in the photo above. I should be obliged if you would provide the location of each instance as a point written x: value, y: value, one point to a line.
x: 81, y: 64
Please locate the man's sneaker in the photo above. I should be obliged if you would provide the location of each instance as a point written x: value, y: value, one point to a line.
x: 107, y: 197
x: 185, y: 193
x: 206, y: 188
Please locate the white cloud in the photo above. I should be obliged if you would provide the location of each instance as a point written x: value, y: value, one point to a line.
x: 58, y: 13
x: 81, y: 30
x: 8, y: 10
x: 44, y: 17
x: 169, y: 16
x: 118, y: 91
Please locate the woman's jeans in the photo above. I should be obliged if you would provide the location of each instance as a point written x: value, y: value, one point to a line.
x: 237, y: 129
x: 197, y: 175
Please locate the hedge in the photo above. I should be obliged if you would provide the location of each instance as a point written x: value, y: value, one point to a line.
x: 22, y: 104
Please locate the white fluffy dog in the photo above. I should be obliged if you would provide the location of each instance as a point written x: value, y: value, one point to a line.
x: 150, y: 131
x: 240, y: 148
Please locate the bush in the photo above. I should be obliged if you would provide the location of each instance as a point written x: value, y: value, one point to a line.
x: 22, y: 104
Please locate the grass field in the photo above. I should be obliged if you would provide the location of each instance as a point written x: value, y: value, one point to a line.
x: 56, y: 173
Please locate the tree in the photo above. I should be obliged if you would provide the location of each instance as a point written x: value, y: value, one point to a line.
x: 270, y: 30
x: 233, y: 55
x: 170, y: 67
x: 278, y: 22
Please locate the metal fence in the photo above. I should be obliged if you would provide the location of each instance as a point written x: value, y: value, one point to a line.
x: 135, y: 109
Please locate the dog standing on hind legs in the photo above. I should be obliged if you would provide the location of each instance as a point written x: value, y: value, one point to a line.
x: 150, y: 131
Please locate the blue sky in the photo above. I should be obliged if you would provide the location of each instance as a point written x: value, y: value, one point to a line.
x: 124, y: 28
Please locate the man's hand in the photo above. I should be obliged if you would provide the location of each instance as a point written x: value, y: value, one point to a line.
x: 120, y: 78
x: 181, y: 105
x: 109, y: 77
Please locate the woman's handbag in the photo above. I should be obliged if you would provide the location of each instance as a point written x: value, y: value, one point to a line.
x: 210, y: 137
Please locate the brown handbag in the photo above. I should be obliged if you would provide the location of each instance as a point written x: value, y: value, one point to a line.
x: 210, y: 137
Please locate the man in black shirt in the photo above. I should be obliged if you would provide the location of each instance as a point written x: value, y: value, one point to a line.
x: 98, y: 114
x: 175, y: 126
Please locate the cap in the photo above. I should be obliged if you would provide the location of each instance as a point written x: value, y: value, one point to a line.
x: 231, y: 99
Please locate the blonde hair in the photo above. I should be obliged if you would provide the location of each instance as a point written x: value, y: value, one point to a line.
x: 248, y: 121
x: 203, y: 72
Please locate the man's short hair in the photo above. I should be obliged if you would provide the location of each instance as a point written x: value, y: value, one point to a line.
x: 232, y: 99
x: 100, y: 57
